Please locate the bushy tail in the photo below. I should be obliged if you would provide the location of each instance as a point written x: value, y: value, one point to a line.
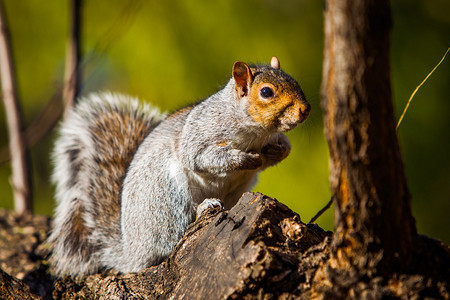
x: 96, y: 143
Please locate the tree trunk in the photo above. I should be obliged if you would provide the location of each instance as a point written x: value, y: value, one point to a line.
x: 375, y: 230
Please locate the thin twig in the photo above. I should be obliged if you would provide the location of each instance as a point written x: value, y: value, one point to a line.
x: 322, y: 210
x: 417, y: 88
x: 72, y: 76
x: 21, y: 177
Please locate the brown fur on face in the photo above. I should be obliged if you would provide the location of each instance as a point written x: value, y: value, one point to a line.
x: 288, y: 106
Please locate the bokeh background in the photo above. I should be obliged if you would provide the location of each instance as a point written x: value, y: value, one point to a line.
x: 171, y: 53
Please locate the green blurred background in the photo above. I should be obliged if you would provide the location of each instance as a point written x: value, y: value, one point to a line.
x: 175, y: 52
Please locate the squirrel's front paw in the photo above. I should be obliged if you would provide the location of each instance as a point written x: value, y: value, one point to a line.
x: 276, y: 151
x: 252, y: 160
x: 207, y: 204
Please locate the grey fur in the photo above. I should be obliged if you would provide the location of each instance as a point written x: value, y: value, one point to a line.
x: 79, y: 243
x: 213, y: 149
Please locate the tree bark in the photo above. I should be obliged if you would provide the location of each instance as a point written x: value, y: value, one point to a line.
x: 21, y: 174
x: 375, y: 230
x: 12, y: 288
x: 259, y: 247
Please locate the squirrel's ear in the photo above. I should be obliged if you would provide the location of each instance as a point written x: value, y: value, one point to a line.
x: 275, y: 63
x: 242, y: 77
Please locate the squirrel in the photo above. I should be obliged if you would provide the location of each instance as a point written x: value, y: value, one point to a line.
x: 130, y: 179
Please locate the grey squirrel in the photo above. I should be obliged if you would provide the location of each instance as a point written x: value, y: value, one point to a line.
x: 129, y: 179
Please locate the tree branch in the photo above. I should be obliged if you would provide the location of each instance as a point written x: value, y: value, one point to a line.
x: 72, y: 76
x: 42, y: 125
x: 21, y: 177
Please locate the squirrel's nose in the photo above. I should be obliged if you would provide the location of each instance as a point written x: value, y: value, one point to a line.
x: 305, y: 108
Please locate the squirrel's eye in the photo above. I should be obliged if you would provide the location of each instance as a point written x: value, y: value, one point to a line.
x: 266, y: 92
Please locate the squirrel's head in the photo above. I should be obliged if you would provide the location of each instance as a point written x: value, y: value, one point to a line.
x: 274, y: 99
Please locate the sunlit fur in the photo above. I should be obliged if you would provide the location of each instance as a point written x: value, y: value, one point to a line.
x: 128, y: 185
x: 96, y: 143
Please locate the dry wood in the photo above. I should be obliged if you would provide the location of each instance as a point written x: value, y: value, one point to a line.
x: 259, y: 247
x: 253, y: 249
x: 12, y: 288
